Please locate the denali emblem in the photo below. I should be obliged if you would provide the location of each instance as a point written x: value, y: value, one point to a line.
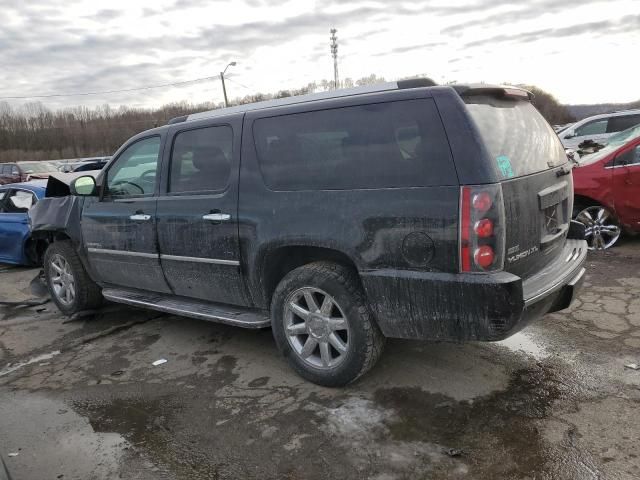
x: 521, y: 255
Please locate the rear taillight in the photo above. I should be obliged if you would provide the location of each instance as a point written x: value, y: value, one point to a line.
x: 482, y: 221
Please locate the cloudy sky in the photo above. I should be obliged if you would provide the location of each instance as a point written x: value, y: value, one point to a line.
x: 582, y: 51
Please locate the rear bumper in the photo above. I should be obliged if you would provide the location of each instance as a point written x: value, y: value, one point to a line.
x: 444, y: 306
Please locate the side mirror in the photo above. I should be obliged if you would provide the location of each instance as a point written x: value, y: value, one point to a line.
x: 570, y: 134
x: 83, y: 186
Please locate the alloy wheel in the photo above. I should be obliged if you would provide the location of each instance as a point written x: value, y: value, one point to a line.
x: 601, y: 228
x: 62, y: 280
x: 316, y: 328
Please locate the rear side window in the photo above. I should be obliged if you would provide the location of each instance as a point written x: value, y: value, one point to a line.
x: 201, y: 159
x: 617, y: 124
x: 383, y: 145
x: 518, y: 138
x: 18, y: 201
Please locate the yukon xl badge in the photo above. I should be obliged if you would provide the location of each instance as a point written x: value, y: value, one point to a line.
x: 519, y: 256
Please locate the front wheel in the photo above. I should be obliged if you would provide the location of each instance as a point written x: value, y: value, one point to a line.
x: 601, y: 228
x: 70, y: 286
x: 323, y: 326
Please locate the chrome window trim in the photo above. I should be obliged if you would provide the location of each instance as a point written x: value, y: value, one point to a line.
x: 215, y: 261
x: 179, y: 258
x: 122, y: 252
x: 637, y: 164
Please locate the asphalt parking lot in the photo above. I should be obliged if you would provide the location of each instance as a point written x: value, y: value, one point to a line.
x: 82, y: 400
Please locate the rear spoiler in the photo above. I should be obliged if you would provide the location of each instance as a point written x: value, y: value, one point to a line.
x: 499, y: 91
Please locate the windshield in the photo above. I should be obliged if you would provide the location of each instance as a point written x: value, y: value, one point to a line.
x: 519, y: 139
x: 37, y: 167
x: 624, y: 136
x: 614, y: 143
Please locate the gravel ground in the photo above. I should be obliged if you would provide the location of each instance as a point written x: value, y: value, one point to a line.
x: 82, y: 399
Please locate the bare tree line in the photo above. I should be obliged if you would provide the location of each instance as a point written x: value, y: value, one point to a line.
x: 34, y: 132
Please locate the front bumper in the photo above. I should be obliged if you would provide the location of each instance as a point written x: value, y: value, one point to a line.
x: 458, y: 307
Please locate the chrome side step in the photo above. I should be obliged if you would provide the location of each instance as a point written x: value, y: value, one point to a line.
x: 214, y: 312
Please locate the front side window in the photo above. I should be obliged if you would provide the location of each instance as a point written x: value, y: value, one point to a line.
x: 629, y: 158
x: 134, y: 172
x: 597, y: 127
x: 15, y: 171
x: 384, y: 145
x: 18, y: 201
x: 201, y: 160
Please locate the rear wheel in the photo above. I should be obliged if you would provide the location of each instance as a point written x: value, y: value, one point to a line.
x: 602, y: 230
x: 70, y: 286
x: 322, y: 324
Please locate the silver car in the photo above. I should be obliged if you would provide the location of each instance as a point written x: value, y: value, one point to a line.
x: 598, y: 128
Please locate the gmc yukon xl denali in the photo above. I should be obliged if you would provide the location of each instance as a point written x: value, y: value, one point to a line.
x: 338, y: 219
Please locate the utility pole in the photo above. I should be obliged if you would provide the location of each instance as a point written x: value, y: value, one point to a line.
x: 224, y: 87
x: 334, y: 54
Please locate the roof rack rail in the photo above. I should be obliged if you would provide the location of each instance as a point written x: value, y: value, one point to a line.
x: 311, y: 97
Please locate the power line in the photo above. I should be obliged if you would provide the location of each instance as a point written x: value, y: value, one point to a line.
x: 106, y: 92
x: 237, y: 83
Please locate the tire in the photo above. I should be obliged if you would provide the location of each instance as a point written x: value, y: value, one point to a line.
x: 86, y: 293
x: 352, y: 341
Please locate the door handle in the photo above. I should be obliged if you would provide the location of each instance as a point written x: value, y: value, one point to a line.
x: 217, y: 217
x: 140, y: 217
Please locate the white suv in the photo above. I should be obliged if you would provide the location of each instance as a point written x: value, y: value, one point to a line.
x: 598, y: 128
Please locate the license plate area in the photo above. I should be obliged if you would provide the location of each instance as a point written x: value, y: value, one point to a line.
x: 553, y: 203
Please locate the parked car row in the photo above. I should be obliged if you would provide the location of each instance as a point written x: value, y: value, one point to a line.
x: 25, y: 171
x: 84, y: 165
x: 15, y: 172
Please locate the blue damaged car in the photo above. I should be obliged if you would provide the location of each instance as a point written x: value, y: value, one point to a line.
x: 16, y: 200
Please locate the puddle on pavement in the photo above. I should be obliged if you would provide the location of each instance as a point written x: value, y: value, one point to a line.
x: 153, y: 423
x: 54, y: 441
x: 498, y: 433
x: 142, y: 422
x: 522, y: 342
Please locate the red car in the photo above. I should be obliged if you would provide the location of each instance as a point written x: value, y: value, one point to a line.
x: 25, y: 171
x: 607, y: 190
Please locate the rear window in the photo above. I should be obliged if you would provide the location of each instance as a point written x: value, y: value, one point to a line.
x: 518, y: 138
x: 383, y: 145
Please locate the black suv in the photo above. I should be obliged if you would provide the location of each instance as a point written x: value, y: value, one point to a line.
x: 338, y: 219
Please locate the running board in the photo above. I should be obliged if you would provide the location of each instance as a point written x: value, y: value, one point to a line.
x: 214, y: 312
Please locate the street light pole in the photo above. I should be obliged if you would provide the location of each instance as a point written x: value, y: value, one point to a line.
x: 224, y: 88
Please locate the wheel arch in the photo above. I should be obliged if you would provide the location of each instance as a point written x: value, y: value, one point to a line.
x: 277, y: 263
x: 36, y: 244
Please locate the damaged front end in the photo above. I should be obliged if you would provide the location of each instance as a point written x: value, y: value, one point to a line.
x: 56, y: 216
